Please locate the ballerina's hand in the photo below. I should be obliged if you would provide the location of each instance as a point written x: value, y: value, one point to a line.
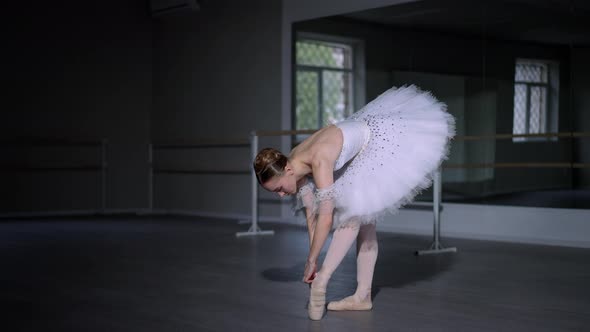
x: 310, y: 272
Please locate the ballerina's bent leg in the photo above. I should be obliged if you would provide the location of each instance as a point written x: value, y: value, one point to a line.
x: 367, y: 251
x: 342, y: 240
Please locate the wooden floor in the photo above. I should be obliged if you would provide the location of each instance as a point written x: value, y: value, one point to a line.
x: 190, y: 274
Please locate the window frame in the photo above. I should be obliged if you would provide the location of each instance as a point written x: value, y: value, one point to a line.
x: 357, y: 72
x: 551, y: 108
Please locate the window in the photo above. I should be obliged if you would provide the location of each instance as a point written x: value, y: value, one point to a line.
x: 536, y: 85
x: 324, y: 82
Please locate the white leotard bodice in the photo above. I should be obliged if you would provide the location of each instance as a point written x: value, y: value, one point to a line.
x: 355, y: 137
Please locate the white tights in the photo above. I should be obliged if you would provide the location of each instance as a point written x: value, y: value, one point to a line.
x: 366, y: 256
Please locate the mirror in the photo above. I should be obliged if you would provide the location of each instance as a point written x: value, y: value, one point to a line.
x: 515, y: 74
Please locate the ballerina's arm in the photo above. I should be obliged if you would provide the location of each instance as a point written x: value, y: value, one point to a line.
x: 324, y: 178
x: 311, y: 222
x: 307, y: 198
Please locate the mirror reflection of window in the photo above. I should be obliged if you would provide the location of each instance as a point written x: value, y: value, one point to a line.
x: 536, y: 86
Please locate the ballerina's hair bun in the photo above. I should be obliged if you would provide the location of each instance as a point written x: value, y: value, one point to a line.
x: 269, y: 162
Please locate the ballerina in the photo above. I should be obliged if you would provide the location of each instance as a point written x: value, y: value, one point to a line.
x: 349, y: 174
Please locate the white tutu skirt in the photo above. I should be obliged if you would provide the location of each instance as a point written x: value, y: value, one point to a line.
x: 409, y: 138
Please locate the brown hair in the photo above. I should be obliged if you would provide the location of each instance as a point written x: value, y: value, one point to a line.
x: 269, y: 162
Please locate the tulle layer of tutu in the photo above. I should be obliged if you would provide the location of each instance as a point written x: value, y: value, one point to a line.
x: 409, y: 139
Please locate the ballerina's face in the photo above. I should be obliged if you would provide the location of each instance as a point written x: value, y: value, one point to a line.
x: 283, y: 185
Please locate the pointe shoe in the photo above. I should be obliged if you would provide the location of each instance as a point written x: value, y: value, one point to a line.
x: 317, y: 302
x: 351, y: 303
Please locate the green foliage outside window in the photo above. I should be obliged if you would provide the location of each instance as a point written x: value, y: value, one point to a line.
x: 322, y: 68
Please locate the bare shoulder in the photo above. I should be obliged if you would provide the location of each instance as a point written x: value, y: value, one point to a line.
x: 323, y: 146
x: 327, y: 144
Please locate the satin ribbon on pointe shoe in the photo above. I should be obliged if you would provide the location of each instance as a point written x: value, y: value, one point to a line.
x: 317, y: 302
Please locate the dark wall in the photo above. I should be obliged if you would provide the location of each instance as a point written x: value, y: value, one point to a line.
x: 217, y: 77
x: 109, y: 70
x: 76, y: 72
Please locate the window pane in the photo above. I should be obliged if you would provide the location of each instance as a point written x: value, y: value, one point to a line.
x: 337, y: 96
x: 530, y: 72
x: 531, y: 96
x: 537, y: 112
x: 307, y: 107
x: 519, y: 110
x: 331, y: 55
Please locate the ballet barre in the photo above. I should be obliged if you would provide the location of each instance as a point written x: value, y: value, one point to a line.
x: 511, y: 136
x: 202, y: 144
x: 565, y: 135
x: 436, y: 247
x: 254, y: 135
x: 253, y: 142
x: 254, y: 228
x: 24, y: 143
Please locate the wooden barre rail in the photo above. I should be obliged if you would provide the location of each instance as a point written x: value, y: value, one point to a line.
x: 509, y: 136
x: 25, y: 168
x: 40, y: 142
x: 212, y: 143
x: 444, y: 166
x: 199, y: 171
x: 244, y: 143
x: 464, y: 137
x: 203, y: 144
x: 517, y: 165
x: 283, y: 132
